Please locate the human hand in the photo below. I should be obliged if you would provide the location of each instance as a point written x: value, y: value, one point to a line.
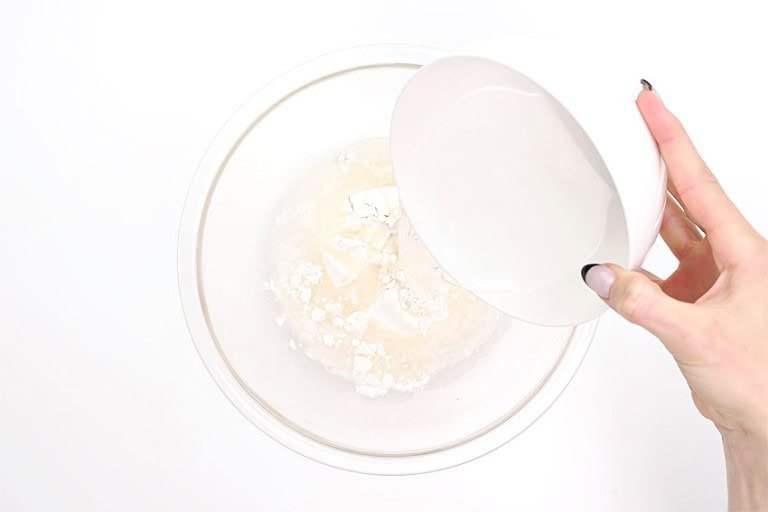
x: 712, y: 312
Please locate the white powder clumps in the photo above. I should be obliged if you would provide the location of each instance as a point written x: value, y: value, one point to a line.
x: 356, y: 288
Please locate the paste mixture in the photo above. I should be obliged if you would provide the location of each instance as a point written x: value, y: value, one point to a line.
x: 355, y: 287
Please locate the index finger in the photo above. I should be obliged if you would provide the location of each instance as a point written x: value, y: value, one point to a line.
x: 698, y: 189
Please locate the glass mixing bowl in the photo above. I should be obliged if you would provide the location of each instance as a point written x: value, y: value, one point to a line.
x: 262, y: 151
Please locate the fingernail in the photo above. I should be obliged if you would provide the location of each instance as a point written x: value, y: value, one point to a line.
x: 648, y: 87
x: 598, y: 277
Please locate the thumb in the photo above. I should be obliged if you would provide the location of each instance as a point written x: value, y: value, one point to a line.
x: 641, y: 301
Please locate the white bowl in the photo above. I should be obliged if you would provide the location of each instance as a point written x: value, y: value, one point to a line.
x: 544, y: 164
x: 301, y: 117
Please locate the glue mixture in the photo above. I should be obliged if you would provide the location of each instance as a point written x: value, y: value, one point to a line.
x: 356, y: 289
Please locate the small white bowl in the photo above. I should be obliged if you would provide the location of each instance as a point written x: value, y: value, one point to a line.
x: 544, y: 165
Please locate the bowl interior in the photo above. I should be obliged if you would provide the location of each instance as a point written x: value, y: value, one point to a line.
x: 298, y: 124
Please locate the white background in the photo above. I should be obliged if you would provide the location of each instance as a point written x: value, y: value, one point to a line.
x: 105, y: 111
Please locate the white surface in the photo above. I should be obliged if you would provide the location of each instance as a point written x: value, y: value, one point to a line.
x: 535, y: 181
x: 104, y: 404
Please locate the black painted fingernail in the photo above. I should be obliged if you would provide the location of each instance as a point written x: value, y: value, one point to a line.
x: 646, y: 84
x: 585, y: 269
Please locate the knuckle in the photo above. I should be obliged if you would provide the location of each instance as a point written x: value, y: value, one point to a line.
x: 707, y: 176
x: 690, y: 248
x: 633, y: 298
x: 704, y: 180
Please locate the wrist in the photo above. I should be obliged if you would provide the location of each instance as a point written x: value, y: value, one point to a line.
x: 746, y: 461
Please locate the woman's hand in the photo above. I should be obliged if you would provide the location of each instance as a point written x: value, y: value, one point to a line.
x: 712, y: 312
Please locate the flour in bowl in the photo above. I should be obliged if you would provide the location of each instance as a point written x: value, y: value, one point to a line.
x: 357, y: 290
